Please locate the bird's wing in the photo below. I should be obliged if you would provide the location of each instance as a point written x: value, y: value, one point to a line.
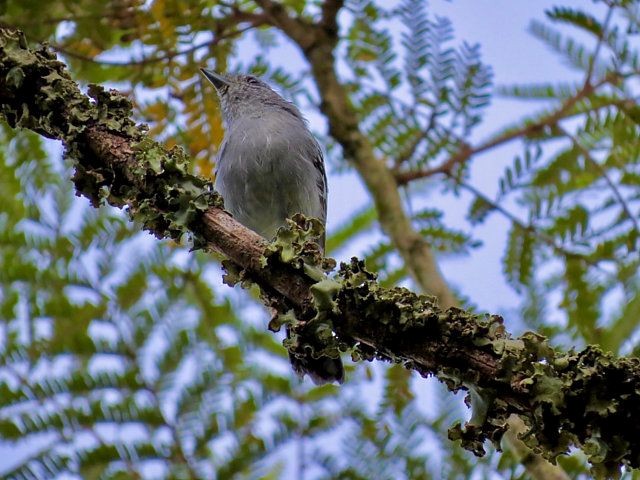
x: 323, y: 189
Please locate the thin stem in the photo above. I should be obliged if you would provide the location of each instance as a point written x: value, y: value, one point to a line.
x: 547, y: 239
x: 594, y: 58
x: 602, y: 171
x: 170, y: 55
x: 410, y: 151
x: 466, y: 152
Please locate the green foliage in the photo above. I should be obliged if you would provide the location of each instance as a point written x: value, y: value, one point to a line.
x: 519, y: 257
x: 441, y: 238
x: 577, y: 18
x: 359, y: 223
x: 448, y: 92
x: 573, y: 52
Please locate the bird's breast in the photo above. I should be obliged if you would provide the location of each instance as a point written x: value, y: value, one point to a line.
x: 264, y: 176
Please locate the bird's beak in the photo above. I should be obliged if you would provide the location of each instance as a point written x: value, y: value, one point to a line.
x: 217, y: 80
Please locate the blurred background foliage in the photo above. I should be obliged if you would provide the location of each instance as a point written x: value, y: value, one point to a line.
x: 125, y: 357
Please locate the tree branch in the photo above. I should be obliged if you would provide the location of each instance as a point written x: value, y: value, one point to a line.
x: 304, y: 33
x: 530, y: 128
x: 330, y: 9
x: 169, y: 55
x: 605, y: 175
x: 587, y: 399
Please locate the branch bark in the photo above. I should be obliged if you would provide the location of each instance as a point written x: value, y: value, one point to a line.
x: 586, y: 399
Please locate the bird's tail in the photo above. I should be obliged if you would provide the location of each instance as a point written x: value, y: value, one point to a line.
x: 321, y: 370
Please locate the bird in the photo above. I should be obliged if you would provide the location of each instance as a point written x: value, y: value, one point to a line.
x: 268, y: 168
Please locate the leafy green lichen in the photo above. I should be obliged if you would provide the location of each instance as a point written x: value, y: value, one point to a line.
x: 309, y: 331
x: 296, y: 244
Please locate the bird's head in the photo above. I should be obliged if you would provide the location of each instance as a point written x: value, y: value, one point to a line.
x: 245, y: 95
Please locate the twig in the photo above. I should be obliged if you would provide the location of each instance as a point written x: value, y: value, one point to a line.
x: 594, y: 58
x: 467, y: 151
x: 170, y: 55
x: 602, y: 171
x: 408, y: 152
x: 520, y: 224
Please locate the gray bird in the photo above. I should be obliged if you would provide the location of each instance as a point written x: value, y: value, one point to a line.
x: 270, y: 167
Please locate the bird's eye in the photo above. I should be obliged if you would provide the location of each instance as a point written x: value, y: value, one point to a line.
x: 253, y: 80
